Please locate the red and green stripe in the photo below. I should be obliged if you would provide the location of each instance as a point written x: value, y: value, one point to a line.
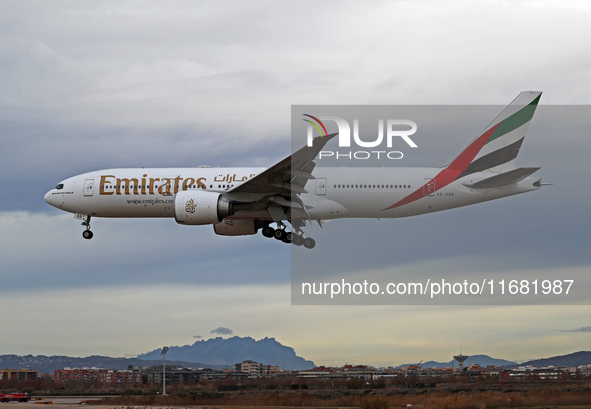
x: 463, y: 164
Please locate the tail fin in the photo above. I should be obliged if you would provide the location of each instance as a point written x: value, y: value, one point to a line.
x: 494, y: 149
x: 497, y: 146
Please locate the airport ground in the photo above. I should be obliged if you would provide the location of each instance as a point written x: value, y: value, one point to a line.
x: 270, y: 393
x: 526, y: 395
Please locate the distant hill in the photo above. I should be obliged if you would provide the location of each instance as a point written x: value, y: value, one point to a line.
x: 574, y: 359
x: 482, y: 360
x: 218, y: 353
x: 229, y: 351
x: 47, y: 364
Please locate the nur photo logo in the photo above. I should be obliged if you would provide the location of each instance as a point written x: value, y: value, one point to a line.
x: 393, y: 128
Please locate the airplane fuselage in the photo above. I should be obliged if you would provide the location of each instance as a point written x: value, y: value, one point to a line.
x: 334, y: 193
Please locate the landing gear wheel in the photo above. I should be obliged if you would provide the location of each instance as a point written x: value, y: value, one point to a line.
x: 309, y: 243
x: 268, y: 231
x: 279, y: 234
x: 87, y: 234
x: 288, y: 237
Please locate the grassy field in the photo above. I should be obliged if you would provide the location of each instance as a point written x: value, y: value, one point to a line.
x: 524, y: 396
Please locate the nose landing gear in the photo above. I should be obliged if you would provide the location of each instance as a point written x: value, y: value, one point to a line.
x: 87, y: 234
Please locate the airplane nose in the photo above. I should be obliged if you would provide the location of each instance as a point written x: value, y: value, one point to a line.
x: 47, y: 197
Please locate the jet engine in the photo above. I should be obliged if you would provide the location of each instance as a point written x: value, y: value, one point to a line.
x: 198, y: 207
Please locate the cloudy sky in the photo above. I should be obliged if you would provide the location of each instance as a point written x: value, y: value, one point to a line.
x: 87, y: 86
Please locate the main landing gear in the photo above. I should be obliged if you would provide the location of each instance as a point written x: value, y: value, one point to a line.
x: 87, y: 234
x: 288, y: 237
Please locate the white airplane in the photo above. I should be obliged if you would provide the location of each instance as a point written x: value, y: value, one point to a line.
x: 241, y: 201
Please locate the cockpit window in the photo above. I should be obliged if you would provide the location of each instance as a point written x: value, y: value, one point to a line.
x: 60, y: 186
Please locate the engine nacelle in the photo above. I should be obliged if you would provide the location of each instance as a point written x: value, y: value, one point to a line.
x: 198, y: 207
x: 235, y: 228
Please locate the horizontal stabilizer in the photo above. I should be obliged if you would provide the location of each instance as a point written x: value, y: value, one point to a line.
x: 507, y: 178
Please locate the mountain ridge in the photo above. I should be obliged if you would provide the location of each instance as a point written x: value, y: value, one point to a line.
x: 480, y: 359
x: 572, y: 359
x: 229, y: 351
x: 48, y: 364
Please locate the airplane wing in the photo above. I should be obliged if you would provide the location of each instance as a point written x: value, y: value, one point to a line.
x: 288, y: 175
x: 279, y: 186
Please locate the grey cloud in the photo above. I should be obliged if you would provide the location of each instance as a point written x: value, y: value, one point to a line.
x: 222, y: 331
x: 89, y: 86
x: 131, y: 252
x: 582, y: 329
